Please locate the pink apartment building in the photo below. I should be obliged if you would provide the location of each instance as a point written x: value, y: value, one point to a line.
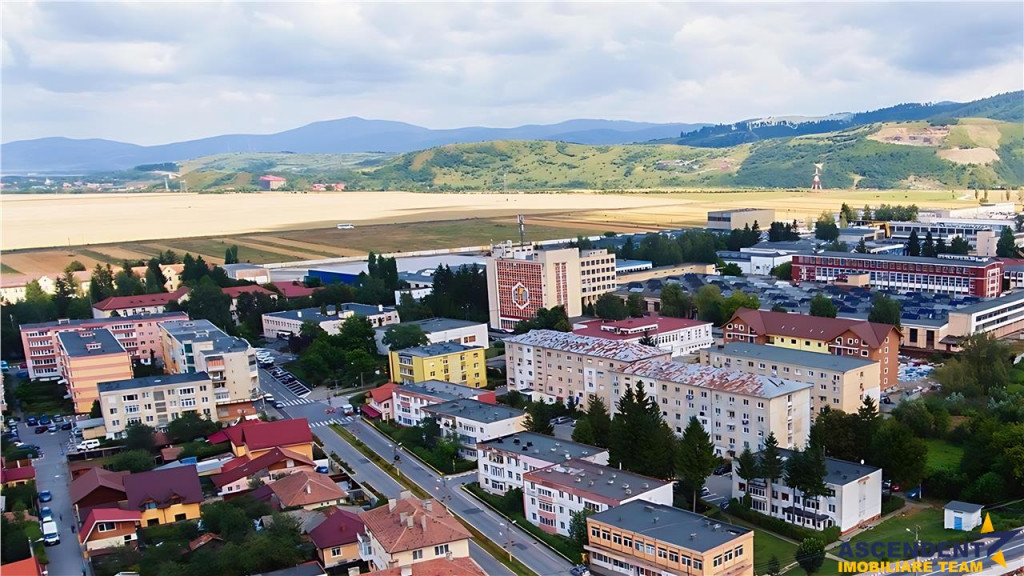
x: 88, y: 358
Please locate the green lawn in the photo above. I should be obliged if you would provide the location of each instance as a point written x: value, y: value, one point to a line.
x: 942, y: 454
x: 828, y: 568
x: 767, y: 545
x: 895, y: 529
x: 7, y: 269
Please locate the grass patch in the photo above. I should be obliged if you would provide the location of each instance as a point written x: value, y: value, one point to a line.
x: 564, y: 546
x: 411, y: 442
x: 95, y: 255
x: 4, y: 268
x: 214, y: 248
x: 828, y: 568
x: 39, y: 398
x: 896, y: 530
x: 942, y: 454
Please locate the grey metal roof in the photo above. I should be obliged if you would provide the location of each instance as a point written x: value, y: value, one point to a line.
x: 721, y: 379
x: 839, y: 472
x: 314, y: 315
x: 441, y: 389
x: 114, y: 320
x: 77, y: 344
x: 671, y: 525
x: 204, y: 331
x: 993, y: 303
x: 437, y: 349
x: 434, y: 324
x: 630, y: 263
x: 603, y: 481
x: 469, y: 409
x: 790, y: 356
x: 152, y: 381
x: 541, y: 447
x: 240, y: 266
x: 587, y: 345
x: 965, y: 507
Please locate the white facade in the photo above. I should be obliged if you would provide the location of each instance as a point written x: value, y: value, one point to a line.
x: 439, y: 330
x: 677, y: 336
x: 284, y: 324
x: 502, y: 462
x: 961, y: 516
x: 409, y: 401
x: 479, y: 422
x: 199, y: 346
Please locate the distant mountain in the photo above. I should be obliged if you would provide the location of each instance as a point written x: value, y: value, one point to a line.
x: 1008, y: 107
x: 55, y: 155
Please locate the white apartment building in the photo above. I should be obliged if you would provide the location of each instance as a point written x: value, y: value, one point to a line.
x: 289, y: 322
x: 440, y: 330
x: 738, y: 410
x: 410, y: 400
x: 472, y: 422
x: 155, y: 400
x: 854, y: 497
x: 553, y: 494
x: 677, y: 336
x: 501, y: 462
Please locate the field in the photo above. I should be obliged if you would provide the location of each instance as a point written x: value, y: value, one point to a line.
x: 942, y: 454
x: 895, y: 529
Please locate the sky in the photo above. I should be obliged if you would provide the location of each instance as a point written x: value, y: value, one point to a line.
x: 152, y: 73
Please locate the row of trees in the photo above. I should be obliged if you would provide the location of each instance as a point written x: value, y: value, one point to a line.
x: 783, y: 232
x: 931, y: 248
x: 665, y: 250
x: 348, y: 357
x: 461, y: 293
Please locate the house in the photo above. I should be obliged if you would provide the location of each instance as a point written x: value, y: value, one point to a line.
x: 553, y: 494
x: 410, y: 400
x: 439, y: 330
x: 171, y: 272
x: 164, y: 496
x: 87, y: 358
x: 650, y: 538
x: 472, y: 421
x: 408, y: 531
x: 436, y: 567
x: 253, y: 438
x: 501, y: 462
x: 155, y: 400
x: 289, y: 322
x: 676, y: 335
x: 380, y: 403
x: 235, y: 291
x: 17, y: 476
x: 293, y: 289
x: 337, y: 538
x: 854, y: 497
x: 447, y: 361
x: 135, y: 305
x: 28, y: 567
x: 275, y: 463
x: 105, y: 528
x: 245, y: 271
x: 208, y: 541
x: 959, y: 515
x: 306, y: 489
x: 97, y: 488
x: 271, y: 182
x: 12, y: 288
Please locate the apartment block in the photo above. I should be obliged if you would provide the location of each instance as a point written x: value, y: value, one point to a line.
x: 448, y: 362
x: 738, y: 410
x: 115, y: 306
x: 553, y: 494
x: 87, y: 358
x: 137, y: 334
x: 566, y: 367
x: 678, y: 336
x: 410, y: 400
x: 838, y: 336
x: 439, y: 331
x: 649, y: 539
x: 289, y: 322
x: 472, y: 422
x: 854, y: 497
x: 199, y: 346
x: 839, y: 382
x: 155, y: 400
x: 501, y: 462
x: 522, y: 280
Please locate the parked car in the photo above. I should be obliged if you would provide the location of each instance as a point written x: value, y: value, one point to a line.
x: 58, y: 418
x: 44, y: 419
x: 41, y: 429
x: 67, y: 425
x: 579, y: 570
x: 51, y: 534
x: 322, y: 469
x: 45, y: 514
x: 722, y: 469
x: 52, y: 427
x: 45, y: 496
x: 705, y: 491
x: 278, y: 404
x: 31, y: 421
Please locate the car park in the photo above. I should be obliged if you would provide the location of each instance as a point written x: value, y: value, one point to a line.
x: 45, y: 496
x: 41, y: 430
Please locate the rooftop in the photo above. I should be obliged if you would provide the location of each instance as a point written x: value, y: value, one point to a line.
x: 437, y: 567
x: 839, y: 472
x: 339, y: 528
x: 791, y: 356
x: 439, y: 349
x: 971, y: 262
x: 721, y: 379
x: 236, y: 291
x: 736, y: 210
x: 306, y: 487
x: 97, y: 515
x: 992, y: 303
x: 410, y: 523
x: 435, y: 324
x: 103, y: 321
x: 587, y: 345
x: 604, y: 481
x: 383, y: 392
x: 440, y: 389
x: 314, y: 315
x: 259, y: 435
x: 151, y: 381
x: 293, y: 289
x: 541, y: 447
x: 966, y: 507
x: 632, y: 328
x: 164, y: 487
x: 474, y: 410
x: 141, y: 301
x: 203, y: 331
x: 671, y: 525
x: 89, y: 343
x: 811, y: 327
x: 253, y: 466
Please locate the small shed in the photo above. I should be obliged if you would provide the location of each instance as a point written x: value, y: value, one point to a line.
x: 962, y: 516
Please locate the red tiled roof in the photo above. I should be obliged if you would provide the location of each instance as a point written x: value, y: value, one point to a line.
x: 106, y: 515
x: 141, y: 301
x: 27, y: 567
x: 258, y: 435
x: 812, y: 327
x: 305, y: 487
x: 251, y: 467
x: 202, y: 541
x: 95, y: 478
x: 625, y: 329
x: 370, y: 411
x: 340, y: 527
x: 436, y: 567
x: 236, y: 291
x: 231, y: 433
x: 293, y: 289
x: 161, y: 486
x: 427, y: 527
x: 17, y: 474
x: 383, y: 393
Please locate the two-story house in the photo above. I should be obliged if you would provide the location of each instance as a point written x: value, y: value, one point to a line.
x: 105, y: 528
x: 164, y: 496
x: 408, y: 531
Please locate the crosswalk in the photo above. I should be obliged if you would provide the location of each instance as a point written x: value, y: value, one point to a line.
x: 297, y: 402
x: 340, y: 420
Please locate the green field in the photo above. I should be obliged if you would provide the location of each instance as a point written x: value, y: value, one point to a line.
x: 942, y: 454
x: 7, y: 269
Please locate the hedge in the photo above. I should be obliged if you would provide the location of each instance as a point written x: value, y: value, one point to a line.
x: 780, y: 526
x: 891, y: 504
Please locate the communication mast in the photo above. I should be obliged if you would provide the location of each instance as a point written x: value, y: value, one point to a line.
x: 816, y: 184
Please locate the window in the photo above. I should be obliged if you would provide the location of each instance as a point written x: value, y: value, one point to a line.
x: 417, y: 554
x: 440, y: 550
x: 336, y: 551
x: 129, y: 397
x: 105, y: 526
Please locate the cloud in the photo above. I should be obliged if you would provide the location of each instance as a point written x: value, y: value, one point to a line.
x: 158, y: 72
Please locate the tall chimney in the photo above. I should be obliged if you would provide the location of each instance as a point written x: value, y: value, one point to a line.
x: 391, y: 505
x: 428, y: 505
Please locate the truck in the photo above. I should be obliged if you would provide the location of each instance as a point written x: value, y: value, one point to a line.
x: 51, y: 535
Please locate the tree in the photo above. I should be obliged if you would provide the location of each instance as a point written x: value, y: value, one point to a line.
x: 810, y: 554
x: 708, y: 302
x: 401, y: 336
x: 959, y: 246
x: 635, y: 305
x: 190, y: 426
x: 1006, y: 247
x: 885, y: 310
x: 231, y: 255
x: 128, y: 284
x: 822, y: 306
x: 675, y: 302
x: 862, y: 247
x: 96, y: 411
x: 731, y: 269
x: 599, y: 420
x: 227, y: 520
x: 139, y: 436
x: 553, y: 319
x: 583, y: 432
x: 913, y: 244
x: 410, y: 309
x: 747, y: 469
x: 206, y: 301
x: 696, y: 457
x: 538, y: 419
x: 865, y: 214
x: 982, y: 366
x: 896, y: 450
x: 640, y: 440
x: 737, y: 300
x: 770, y: 462
x: 14, y: 545
x: 132, y: 460
x: 848, y: 213
x: 578, y: 526
x: 647, y: 340
x: 611, y: 307
x: 825, y: 228
x: 774, y: 568
x: 928, y: 248
x: 838, y: 432
x: 356, y: 333
x: 783, y: 271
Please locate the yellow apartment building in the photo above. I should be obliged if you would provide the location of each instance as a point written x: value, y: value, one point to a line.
x: 446, y: 361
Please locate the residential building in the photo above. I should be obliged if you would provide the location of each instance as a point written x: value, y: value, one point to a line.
x: 959, y: 515
x: 740, y: 218
x: 17, y: 475
x: 409, y: 400
x: 380, y: 403
x: 253, y: 438
x: 199, y: 346
x: 441, y: 330
x: 552, y: 495
x: 337, y: 538
x: 678, y: 336
x: 138, y: 335
x: 839, y: 382
x: 235, y: 476
x: 306, y: 489
x: 502, y: 461
x: 522, y: 279
x: 164, y: 496
x: 650, y: 539
x: 12, y: 288
x: 840, y: 336
x: 293, y: 289
x: 565, y: 367
x: 408, y: 531
x: 271, y: 182
x: 120, y: 306
x: 246, y: 271
x: 738, y: 410
x: 155, y: 400
x: 87, y: 358
x: 473, y: 421
x: 757, y: 263
x: 853, y: 499
x: 106, y: 528
x: 447, y: 361
x: 96, y: 488
x: 235, y: 291
x: 289, y: 322
x: 171, y: 272
x: 436, y: 567
x: 949, y: 274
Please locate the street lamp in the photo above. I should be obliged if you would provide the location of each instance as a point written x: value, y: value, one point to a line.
x: 508, y: 537
x: 917, y: 542
x: 396, y: 457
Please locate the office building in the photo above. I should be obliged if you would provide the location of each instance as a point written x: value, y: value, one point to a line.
x: 155, y: 400
x: 439, y: 331
x: 87, y: 358
x: 501, y: 462
x: 448, y: 362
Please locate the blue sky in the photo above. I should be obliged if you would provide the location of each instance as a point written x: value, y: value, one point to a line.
x: 159, y: 72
